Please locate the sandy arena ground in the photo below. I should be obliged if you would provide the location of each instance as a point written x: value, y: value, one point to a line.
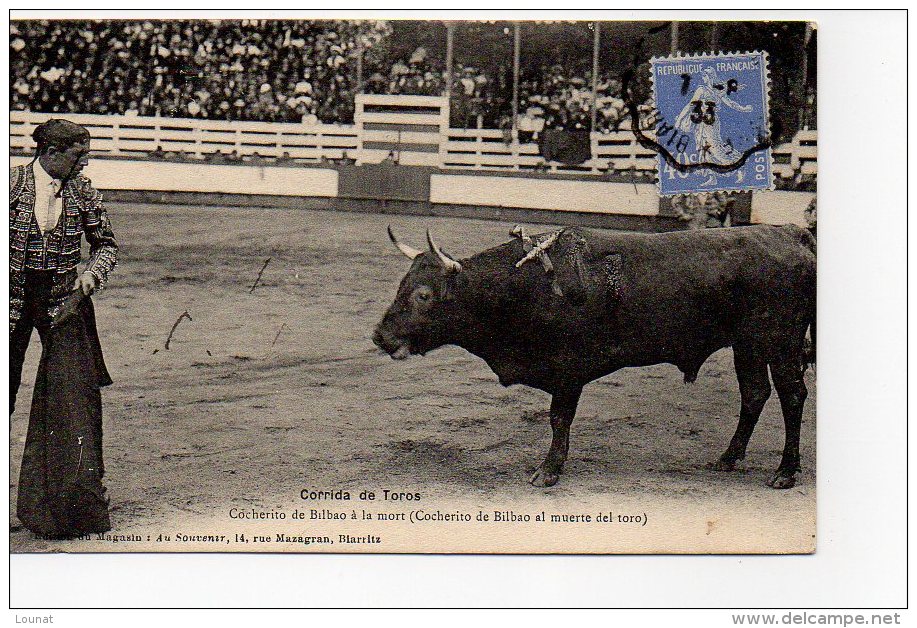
x: 264, y: 394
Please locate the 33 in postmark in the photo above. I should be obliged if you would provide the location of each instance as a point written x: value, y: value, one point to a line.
x: 711, y: 123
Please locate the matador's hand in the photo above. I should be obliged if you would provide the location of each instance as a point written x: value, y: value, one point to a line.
x: 86, y: 283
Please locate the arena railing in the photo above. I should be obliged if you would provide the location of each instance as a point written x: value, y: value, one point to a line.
x: 136, y: 136
x: 490, y: 149
x: 372, y: 140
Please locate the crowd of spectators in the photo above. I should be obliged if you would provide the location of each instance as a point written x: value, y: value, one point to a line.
x: 233, y: 157
x: 282, y: 71
x: 278, y: 71
x: 550, y: 96
x: 555, y: 97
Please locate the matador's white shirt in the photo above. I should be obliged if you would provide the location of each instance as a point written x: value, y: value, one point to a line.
x: 47, y: 204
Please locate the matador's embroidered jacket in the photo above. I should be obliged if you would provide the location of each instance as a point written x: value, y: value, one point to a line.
x: 82, y: 213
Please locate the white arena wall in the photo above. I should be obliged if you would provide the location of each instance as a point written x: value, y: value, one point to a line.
x: 519, y: 192
x: 559, y: 195
x: 778, y: 207
x: 119, y: 174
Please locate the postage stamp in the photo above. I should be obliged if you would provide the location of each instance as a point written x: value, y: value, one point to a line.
x: 712, y: 128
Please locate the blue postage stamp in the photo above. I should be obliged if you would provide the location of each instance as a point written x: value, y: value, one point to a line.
x: 711, y: 123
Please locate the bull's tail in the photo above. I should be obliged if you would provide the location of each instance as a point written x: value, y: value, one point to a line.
x: 808, y: 355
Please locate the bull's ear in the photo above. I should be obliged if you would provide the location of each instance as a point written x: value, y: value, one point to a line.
x: 448, y: 292
x: 447, y: 262
x: 451, y: 284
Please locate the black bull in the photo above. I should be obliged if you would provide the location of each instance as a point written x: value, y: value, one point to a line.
x: 621, y: 300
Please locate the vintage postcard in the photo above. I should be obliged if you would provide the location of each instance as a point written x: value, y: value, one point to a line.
x: 412, y: 286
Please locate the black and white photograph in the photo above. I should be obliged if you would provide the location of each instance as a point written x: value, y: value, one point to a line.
x: 411, y: 286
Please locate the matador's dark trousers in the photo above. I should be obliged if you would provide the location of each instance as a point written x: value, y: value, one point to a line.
x: 34, y: 315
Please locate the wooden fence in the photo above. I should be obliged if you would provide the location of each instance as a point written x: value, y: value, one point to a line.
x: 490, y: 149
x: 420, y: 137
x: 409, y: 128
x: 135, y: 136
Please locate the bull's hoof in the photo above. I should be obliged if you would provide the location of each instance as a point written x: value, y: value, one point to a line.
x: 783, y: 479
x: 544, y: 477
x: 724, y: 465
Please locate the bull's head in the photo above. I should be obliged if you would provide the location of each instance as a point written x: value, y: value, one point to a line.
x: 424, y: 314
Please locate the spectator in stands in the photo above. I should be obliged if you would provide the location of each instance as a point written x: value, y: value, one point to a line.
x: 704, y: 210
x: 255, y: 159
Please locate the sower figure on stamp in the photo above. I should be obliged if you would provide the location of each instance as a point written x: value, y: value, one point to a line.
x: 52, y: 206
x: 701, y: 117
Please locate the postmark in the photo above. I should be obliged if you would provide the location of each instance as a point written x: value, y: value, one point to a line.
x: 711, y: 123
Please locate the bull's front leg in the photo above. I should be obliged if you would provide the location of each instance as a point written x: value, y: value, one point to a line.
x: 563, y: 409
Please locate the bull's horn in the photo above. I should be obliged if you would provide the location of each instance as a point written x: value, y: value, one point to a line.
x: 409, y: 251
x: 447, y: 262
